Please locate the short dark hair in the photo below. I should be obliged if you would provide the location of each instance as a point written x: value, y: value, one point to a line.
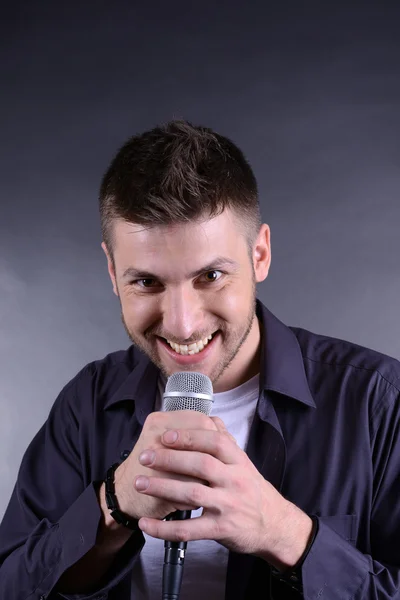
x: 177, y: 173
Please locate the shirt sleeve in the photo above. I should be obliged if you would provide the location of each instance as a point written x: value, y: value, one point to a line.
x: 334, y: 567
x: 52, y: 518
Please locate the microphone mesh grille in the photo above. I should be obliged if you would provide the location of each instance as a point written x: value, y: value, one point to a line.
x: 188, y: 381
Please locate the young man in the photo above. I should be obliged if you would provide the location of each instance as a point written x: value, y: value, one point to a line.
x: 295, y: 471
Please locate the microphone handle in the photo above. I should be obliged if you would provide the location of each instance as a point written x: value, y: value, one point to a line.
x: 174, y: 558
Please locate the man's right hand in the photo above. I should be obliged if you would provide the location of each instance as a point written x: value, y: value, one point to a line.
x: 137, y: 505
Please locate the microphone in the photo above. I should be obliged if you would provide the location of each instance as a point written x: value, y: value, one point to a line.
x: 185, y: 390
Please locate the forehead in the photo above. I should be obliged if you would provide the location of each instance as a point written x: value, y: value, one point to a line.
x: 184, y: 246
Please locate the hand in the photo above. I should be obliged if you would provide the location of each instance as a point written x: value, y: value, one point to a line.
x: 138, y: 505
x: 241, y: 510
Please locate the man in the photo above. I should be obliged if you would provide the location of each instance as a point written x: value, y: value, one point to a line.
x: 295, y: 471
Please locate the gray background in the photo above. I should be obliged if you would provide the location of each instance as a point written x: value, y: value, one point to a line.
x: 310, y: 91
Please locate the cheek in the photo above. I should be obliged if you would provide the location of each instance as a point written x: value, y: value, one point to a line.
x: 234, y: 302
x: 140, y: 312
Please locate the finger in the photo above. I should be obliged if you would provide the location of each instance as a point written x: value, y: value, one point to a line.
x: 198, y: 528
x: 197, y: 465
x: 162, y: 420
x: 219, y: 424
x: 190, y: 494
x: 221, y: 428
x: 215, y: 443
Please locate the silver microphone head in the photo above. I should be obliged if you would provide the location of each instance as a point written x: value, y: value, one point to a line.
x: 188, y: 390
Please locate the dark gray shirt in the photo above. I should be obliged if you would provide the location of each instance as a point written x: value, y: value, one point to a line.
x: 325, y: 433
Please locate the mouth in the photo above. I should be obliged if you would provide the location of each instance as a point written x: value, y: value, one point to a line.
x: 197, y: 349
x: 190, y: 349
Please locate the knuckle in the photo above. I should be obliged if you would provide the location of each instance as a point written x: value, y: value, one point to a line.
x: 187, y: 439
x: 220, y: 443
x: 241, y: 484
x: 206, y: 464
x: 196, y: 495
x: 208, y: 423
x: 152, y: 420
x: 219, y: 422
x: 166, y: 459
x: 182, y: 534
x: 203, y: 421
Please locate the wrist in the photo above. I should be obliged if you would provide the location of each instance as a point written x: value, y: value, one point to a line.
x: 292, y: 539
x: 292, y: 576
x: 109, y: 530
x: 112, y: 502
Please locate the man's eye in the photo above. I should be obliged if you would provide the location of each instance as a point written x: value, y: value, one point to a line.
x: 211, y: 276
x: 146, y: 283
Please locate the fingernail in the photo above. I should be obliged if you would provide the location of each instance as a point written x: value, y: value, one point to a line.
x: 146, y: 457
x: 141, y: 483
x: 170, y: 437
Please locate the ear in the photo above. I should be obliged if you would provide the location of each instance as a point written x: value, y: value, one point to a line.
x: 111, y: 269
x: 262, y: 253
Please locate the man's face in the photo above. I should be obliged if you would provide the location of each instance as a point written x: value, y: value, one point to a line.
x: 187, y: 295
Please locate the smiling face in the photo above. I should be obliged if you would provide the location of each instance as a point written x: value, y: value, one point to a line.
x: 187, y: 295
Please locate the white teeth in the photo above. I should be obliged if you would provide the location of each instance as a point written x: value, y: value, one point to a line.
x: 191, y: 349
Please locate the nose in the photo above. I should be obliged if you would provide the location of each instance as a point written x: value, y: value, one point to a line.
x: 183, y: 314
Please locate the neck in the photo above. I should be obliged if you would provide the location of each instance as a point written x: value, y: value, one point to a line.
x: 246, y: 363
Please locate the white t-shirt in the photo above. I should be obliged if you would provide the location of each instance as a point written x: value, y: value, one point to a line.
x: 205, y: 560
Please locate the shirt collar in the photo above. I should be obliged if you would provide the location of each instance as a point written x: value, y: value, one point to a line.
x: 282, y: 369
x: 140, y: 385
x: 282, y: 365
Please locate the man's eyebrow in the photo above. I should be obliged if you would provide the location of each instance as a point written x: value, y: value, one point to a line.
x: 220, y: 262
x: 217, y: 264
